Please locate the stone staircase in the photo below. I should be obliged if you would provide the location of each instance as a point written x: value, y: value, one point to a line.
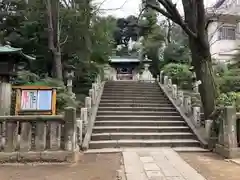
x: 138, y: 114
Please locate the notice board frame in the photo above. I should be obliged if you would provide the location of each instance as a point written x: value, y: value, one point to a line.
x: 20, y: 89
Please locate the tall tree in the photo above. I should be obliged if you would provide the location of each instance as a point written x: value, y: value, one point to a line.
x: 153, y: 37
x: 52, y: 7
x: 194, y: 24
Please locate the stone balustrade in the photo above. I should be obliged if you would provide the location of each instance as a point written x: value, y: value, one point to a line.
x: 188, y: 104
x: 90, y: 101
x: 89, y: 111
x: 41, y: 137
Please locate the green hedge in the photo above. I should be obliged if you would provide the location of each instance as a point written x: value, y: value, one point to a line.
x: 180, y: 74
x: 229, y: 99
x: 229, y: 83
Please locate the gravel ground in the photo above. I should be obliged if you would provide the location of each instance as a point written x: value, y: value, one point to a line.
x: 89, y: 167
x: 212, y: 166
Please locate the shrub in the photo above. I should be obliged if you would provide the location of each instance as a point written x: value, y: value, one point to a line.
x: 229, y: 83
x: 229, y: 99
x: 232, y: 72
x: 25, y: 77
x: 180, y: 74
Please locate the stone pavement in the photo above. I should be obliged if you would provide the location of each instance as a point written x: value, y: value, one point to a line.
x: 157, y: 164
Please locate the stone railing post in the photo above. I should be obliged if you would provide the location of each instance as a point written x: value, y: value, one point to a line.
x: 88, y: 105
x: 158, y: 78
x: 169, y: 85
x: 165, y: 81
x: 94, y: 96
x: 79, y: 132
x: 187, y: 104
x: 174, y: 91
x: 196, y: 116
x: 70, y: 128
x: 228, y: 133
x: 91, y: 96
x: 161, y: 77
x: 208, y: 126
x: 180, y: 97
x: 84, y: 118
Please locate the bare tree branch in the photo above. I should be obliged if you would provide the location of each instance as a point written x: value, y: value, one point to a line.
x: 62, y: 43
x: 172, y: 13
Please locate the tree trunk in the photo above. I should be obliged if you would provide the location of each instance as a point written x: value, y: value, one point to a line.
x: 53, y: 38
x: 58, y: 65
x: 87, y: 39
x: 201, y: 60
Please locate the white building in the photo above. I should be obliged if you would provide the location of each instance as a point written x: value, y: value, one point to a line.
x: 224, y: 29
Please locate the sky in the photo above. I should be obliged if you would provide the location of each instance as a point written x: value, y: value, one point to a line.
x: 124, y: 8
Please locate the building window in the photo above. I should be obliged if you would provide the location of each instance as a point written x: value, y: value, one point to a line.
x: 227, y: 33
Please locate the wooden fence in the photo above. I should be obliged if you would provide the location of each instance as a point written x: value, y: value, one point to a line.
x: 39, y: 137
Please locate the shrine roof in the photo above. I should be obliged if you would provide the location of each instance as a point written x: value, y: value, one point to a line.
x: 9, y: 50
x: 119, y: 60
x: 126, y: 60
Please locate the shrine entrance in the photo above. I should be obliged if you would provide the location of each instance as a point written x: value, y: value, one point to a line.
x: 124, y: 73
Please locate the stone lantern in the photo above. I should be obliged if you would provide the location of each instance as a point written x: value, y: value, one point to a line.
x: 69, y: 74
x: 146, y: 74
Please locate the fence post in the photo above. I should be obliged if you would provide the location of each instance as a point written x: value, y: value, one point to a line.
x: 84, y: 117
x: 196, y: 116
x: 180, y: 98
x: 79, y: 131
x: 227, y: 139
x: 161, y: 77
x: 70, y: 129
x: 91, y: 96
x: 187, y: 104
x: 174, y: 91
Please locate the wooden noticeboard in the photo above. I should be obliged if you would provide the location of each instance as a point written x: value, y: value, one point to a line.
x: 35, y: 100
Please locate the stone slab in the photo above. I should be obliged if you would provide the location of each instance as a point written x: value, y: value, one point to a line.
x: 157, y: 164
x: 151, y: 167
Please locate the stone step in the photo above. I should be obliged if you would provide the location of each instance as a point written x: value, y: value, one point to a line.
x: 146, y: 100
x: 135, y: 93
x: 129, y: 83
x: 129, y: 91
x: 142, y: 135
x: 138, y: 113
x: 143, y: 108
x: 111, y: 129
x: 149, y: 94
x: 129, y: 117
x: 140, y: 123
x: 136, y: 105
x: 144, y: 143
x: 143, y: 149
x: 123, y: 97
x: 109, y: 90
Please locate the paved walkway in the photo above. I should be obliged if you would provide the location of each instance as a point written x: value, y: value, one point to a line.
x: 161, y: 164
